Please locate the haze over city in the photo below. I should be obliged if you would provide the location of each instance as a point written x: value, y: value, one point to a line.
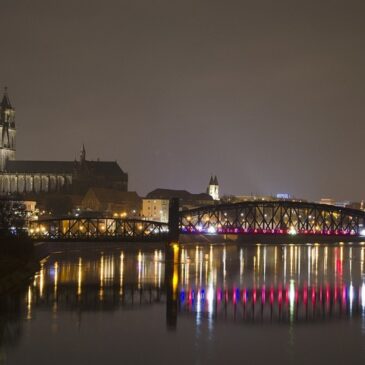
x: 266, y: 95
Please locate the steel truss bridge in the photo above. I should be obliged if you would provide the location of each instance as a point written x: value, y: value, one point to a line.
x: 252, y: 217
x: 272, y: 217
x: 93, y: 229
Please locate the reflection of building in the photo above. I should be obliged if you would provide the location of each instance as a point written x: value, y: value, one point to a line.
x: 111, y: 201
x: 50, y: 176
x: 187, y: 200
x: 156, y: 209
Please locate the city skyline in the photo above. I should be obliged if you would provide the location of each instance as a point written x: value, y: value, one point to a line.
x: 266, y: 99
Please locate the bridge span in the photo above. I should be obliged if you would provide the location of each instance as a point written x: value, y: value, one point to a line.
x: 244, y: 218
x: 273, y: 217
x: 94, y: 229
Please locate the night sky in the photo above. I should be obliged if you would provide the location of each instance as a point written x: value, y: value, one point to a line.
x: 267, y: 95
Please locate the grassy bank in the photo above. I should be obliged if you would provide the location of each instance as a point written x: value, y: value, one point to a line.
x: 17, y: 262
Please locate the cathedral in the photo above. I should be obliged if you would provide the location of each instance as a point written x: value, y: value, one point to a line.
x: 42, y: 177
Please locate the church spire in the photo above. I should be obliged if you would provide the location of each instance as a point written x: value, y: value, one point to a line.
x: 83, y: 154
x: 213, y: 187
x: 5, y: 103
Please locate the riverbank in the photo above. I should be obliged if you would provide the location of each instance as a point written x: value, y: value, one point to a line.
x: 17, y: 262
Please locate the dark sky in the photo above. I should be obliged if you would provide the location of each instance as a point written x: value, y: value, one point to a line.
x: 268, y: 95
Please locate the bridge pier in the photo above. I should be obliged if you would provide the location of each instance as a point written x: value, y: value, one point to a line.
x: 174, y: 231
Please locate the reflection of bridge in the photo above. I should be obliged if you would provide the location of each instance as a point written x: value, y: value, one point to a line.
x: 281, y: 303
x: 289, y: 302
x: 253, y: 217
x: 272, y: 217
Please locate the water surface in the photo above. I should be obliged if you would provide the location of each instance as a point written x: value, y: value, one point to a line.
x: 190, y: 304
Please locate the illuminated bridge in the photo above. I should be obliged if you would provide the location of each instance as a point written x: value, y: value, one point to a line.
x: 93, y: 229
x: 272, y: 217
x: 245, y: 218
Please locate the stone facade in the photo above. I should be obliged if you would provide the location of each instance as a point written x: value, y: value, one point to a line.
x: 34, y: 183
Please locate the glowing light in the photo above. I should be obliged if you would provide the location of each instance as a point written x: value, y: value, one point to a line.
x: 212, y: 230
x: 292, y: 231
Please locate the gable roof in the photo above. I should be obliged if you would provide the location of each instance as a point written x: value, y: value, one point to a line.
x: 181, y: 194
x: 108, y: 169
x: 51, y: 167
x: 104, y: 168
x: 112, y: 195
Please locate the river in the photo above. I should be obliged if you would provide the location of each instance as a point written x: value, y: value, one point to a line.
x: 189, y: 304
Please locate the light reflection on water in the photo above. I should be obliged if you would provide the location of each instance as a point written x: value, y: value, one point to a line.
x: 202, y: 284
x: 302, y: 282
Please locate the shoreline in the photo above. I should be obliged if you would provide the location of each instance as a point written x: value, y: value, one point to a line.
x: 18, y: 262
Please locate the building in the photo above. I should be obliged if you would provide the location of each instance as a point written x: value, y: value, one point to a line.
x: 330, y: 201
x: 36, y: 177
x: 187, y: 200
x: 213, y: 188
x: 109, y: 201
x: 155, y: 210
x: 7, y: 131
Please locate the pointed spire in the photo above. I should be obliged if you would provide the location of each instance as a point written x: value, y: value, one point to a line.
x: 215, y: 182
x: 211, y: 182
x: 83, y: 154
x: 5, y: 103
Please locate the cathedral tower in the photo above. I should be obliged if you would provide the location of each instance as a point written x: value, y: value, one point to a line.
x: 7, y: 131
x: 213, y: 188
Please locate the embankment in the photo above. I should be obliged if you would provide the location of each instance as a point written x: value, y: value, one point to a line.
x: 17, y: 262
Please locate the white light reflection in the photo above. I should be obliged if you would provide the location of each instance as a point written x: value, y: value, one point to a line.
x: 159, y: 268
x: 198, y: 308
x: 41, y: 280
x: 291, y: 299
x: 284, y: 264
x: 29, y: 303
x: 121, y: 278
x: 210, y: 299
x: 241, y: 266
x: 351, y: 297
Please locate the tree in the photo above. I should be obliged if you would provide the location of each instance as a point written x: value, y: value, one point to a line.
x: 12, y: 217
